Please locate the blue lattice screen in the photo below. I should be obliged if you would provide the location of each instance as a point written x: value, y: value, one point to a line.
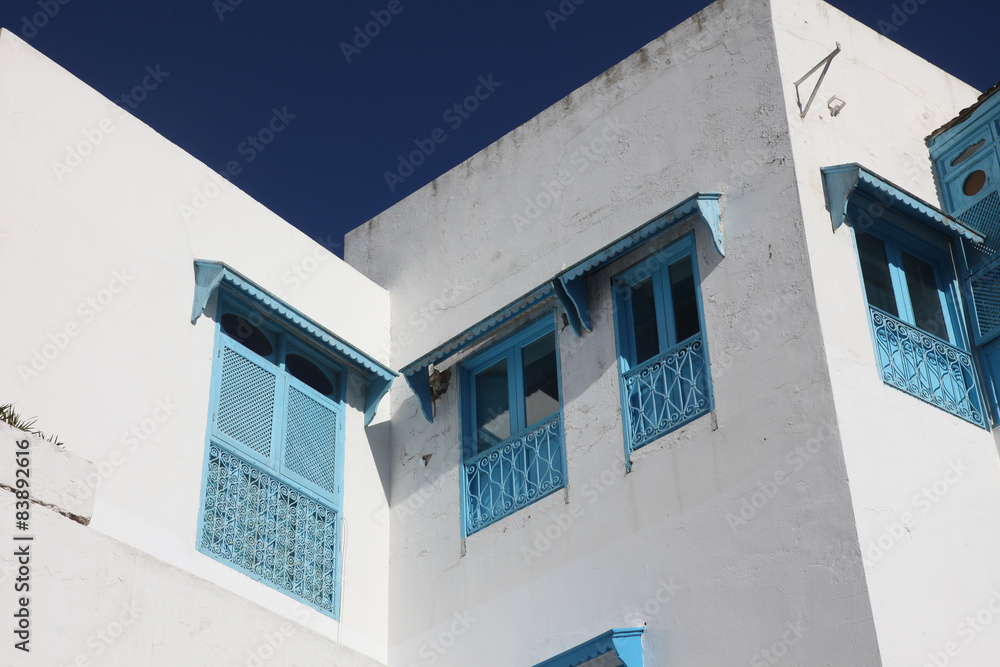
x: 273, y: 532
x: 310, y: 440
x: 246, y: 401
x: 984, y: 217
x: 985, y: 285
x: 984, y: 280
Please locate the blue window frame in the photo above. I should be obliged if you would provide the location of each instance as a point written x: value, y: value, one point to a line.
x: 273, y: 475
x: 513, y: 451
x: 662, y: 356
x: 914, y: 308
x: 910, y: 280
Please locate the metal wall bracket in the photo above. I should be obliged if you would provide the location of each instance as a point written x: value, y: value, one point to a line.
x: 825, y: 64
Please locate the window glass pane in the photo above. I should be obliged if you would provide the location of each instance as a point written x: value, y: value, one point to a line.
x: 309, y: 373
x: 647, y: 341
x: 685, y: 301
x: 541, y: 384
x: 247, y: 334
x: 875, y: 269
x: 492, y: 406
x: 924, y: 296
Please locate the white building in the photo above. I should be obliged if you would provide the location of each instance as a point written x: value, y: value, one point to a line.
x: 691, y: 374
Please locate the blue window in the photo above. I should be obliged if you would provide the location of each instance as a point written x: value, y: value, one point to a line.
x: 512, y: 436
x: 662, y: 355
x: 905, y: 279
x: 272, y: 490
x: 914, y: 310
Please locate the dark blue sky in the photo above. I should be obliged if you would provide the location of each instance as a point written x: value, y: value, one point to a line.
x: 231, y: 63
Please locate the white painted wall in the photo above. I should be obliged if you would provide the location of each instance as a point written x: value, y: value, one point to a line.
x: 940, y: 568
x: 700, y: 110
x: 95, y: 601
x: 699, y: 543
x: 112, y: 230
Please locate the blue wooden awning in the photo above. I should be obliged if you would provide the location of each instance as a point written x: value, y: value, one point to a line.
x: 208, y: 276
x: 569, y: 286
x: 625, y: 643
x: 843, y: 183
x: 417, y: 373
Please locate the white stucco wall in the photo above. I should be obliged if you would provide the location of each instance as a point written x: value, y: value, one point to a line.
x: 925, y: 485
x: 666, y: 545
x: 744, y: 536
x: 97, y: 261
x: 92, y: 600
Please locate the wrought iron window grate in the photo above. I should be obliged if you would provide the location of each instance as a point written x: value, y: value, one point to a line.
x: 927, y: 367
x: 270, y: 530
x: 514, y: 473
x: 666, y: 391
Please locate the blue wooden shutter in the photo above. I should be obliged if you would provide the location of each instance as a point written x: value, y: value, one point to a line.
x: 248, y: 399
x: 312, y: 426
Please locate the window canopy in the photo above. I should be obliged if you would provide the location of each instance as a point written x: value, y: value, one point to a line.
x: 417, y: 374
x: 569, y: 287
x: 208, y: 276
x: 843, y: 183
x: 571, y: 284
x: 624, y: 643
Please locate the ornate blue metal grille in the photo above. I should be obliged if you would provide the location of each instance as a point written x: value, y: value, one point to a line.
x: 514, y: 473
x: 666, y: 391
x: 927, y: 368
x: 271, y: 531
x: 246, y: 401
x: 311, y: 440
